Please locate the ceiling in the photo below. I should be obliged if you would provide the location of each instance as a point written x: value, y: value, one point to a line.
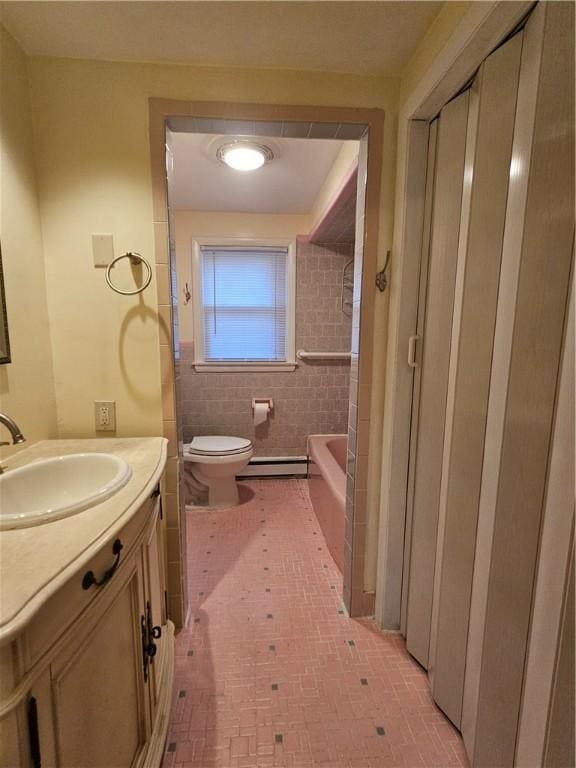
x: 367, y: 38
x: 290, y: 183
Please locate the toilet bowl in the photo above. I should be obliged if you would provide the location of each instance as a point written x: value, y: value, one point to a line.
x: 215, y: 462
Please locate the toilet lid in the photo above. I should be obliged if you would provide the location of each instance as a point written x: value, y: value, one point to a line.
x: 213, y: 445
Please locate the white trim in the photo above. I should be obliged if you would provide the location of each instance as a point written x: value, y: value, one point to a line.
x: 481, y: 30
x: 291, y: 325
x: 276, y: 466
x: 277, y: 459
x: 200, y: 364
x: 239, y: 367
x: 483, y: 27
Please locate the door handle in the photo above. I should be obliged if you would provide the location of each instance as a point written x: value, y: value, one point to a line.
x: 412, y: 342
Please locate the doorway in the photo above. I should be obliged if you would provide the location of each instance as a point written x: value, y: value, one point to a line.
x: 302, y: 120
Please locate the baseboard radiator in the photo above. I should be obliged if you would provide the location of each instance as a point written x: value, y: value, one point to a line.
x: 276, y: 466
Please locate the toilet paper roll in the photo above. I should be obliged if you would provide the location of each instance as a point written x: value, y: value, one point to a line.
x: 260, y: 413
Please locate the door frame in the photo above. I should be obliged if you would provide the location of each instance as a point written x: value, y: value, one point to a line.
x: 357, y: 600
x: 481, y: 30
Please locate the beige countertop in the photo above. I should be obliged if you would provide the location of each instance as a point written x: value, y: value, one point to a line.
x: 36, y: 561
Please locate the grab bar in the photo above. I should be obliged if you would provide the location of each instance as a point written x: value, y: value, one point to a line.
x: 303, y: 355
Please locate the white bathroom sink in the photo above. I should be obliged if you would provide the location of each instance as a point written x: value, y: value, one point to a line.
x: 50, y: 489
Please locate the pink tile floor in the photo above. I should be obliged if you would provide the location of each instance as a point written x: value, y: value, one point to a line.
x: 271, y: 672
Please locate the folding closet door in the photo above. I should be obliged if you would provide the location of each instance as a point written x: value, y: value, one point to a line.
x: 488, y: 155
x: 426, y: 466
x: 432, y: 130
x: 546, y: 724
x: 533, y: 292
x: 495, y: 284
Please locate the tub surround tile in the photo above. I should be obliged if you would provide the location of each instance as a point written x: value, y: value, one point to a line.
x: 368, y: 603
x: 171, y: 474
x: 170, y: 502
x: 161, y: 242
x: 349, y: 521
x: 165, y: 325
x: 352, y: 440
x: 350, y: 494
x: 173, y: 545
x: 169, y: 429
x: 163, y: 283
x: 175, y: 609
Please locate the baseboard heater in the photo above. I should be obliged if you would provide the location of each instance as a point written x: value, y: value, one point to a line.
x: 276, y: 466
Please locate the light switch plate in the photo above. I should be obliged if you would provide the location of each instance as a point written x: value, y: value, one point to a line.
x: 102, y: 249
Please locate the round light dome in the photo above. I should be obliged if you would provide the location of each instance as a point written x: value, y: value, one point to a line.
x: 244, y: 155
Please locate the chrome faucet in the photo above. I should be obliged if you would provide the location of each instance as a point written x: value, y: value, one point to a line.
x: 13, y: 428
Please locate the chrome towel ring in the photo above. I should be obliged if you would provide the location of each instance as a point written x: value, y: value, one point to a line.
x: 135, y: 258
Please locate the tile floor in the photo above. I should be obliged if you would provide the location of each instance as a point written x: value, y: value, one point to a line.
x: 271, y: 672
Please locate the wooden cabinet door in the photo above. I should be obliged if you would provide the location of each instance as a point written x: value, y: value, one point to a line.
x: 154, y: 597
x: 14, y: 738
x: 98, y: 690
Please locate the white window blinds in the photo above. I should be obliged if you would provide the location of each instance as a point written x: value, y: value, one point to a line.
x: 244, y: 304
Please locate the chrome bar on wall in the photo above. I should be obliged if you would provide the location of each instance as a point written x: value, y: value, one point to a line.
x: 301, y: 354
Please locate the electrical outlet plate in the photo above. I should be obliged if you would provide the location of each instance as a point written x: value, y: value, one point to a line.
x: 105, y: 415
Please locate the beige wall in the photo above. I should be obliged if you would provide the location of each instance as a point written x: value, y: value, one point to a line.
x: 27, y: 383
x: 438, y: 34
x: 94, y: 176
x: 345, y: 162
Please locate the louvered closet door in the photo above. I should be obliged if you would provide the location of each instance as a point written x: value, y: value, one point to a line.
x: 537, y: 259
x: 488, y: 154
x: 496, y: 270
x: 468, y: 202
x: 426, y: 465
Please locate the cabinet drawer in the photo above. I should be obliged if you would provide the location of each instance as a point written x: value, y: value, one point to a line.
x: 72, y: 599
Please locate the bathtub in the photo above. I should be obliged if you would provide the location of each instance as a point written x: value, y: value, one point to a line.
x: 327, y: 487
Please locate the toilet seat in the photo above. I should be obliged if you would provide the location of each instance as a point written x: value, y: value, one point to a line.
x: 214, y: 445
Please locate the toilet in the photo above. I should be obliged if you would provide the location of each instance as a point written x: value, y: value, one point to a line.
x: 215, y: 461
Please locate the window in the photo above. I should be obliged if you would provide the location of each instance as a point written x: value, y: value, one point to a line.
x: 244, y: 313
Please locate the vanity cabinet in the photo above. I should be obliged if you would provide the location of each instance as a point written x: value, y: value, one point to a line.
x: 96, y: 694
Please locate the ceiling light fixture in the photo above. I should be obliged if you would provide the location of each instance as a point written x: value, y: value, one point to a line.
x: 244, y: 155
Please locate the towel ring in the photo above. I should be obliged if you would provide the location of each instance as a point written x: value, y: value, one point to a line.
x: 135, y: 258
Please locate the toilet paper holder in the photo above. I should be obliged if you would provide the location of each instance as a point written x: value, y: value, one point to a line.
x: 266, y: 400
x: 261, y: 410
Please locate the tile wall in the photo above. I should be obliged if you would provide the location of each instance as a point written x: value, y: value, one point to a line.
x: 313, y: 399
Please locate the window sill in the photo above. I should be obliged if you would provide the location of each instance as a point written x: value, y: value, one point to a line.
x: 243, y: 367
